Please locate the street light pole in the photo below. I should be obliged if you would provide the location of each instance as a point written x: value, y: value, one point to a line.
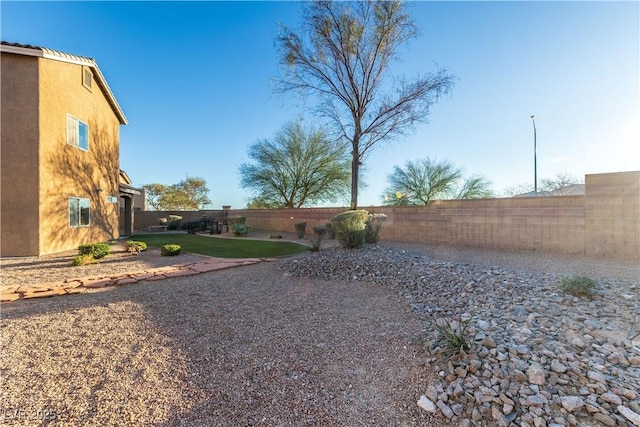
x: 535, y: 157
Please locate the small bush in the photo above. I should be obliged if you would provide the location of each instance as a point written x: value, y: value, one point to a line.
x: 316, y: 243
x: 453, y: 336
x: 136, y: 247
x: 372, y: 228
x: 97, y: 250
x: 86, y: 259
x: 171, y: 250
x: 237, y: 219
x: 578, y: 286
x: 349, y: 228
x: 301, y: 227
x: 238, y: 225
x: 239, y: 230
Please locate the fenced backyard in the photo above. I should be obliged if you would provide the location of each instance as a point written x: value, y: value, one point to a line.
x: 605, y: 222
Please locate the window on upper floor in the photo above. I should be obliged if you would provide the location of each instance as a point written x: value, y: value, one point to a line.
x: 77, y: 133
x: 78, y: 212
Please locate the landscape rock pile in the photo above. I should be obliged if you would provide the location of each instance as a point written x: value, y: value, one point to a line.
x: 538, y: 357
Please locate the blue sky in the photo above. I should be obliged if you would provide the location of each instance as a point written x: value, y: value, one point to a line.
x: 195, y: 80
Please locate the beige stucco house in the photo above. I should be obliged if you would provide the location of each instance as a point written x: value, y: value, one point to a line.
x: 59, y: 139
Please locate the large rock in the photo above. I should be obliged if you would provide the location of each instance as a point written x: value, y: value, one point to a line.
x: 630, y: 415
x: 536, y: 374
x: 425, y: 403
x: 572, y: 403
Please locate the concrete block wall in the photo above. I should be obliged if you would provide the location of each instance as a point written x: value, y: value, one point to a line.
x: 603, y: 223
x: 612, y: 215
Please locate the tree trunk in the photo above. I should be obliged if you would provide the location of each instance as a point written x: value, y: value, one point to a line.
x: 355, y: 168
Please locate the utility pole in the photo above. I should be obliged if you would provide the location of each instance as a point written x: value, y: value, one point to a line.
x: 535, y: 157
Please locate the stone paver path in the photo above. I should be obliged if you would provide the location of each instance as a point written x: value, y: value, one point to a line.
x: 74, y: 286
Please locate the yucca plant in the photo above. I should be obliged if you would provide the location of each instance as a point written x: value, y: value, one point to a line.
x: 452, y: 336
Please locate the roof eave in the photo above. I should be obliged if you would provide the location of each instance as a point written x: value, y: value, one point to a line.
x: 40, y: 52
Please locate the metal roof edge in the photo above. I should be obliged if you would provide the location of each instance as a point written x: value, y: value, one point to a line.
x: 42, y: 52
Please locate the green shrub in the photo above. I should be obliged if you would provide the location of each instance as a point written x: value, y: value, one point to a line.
x: 97, y: 250
x: 237, y: 219
x: 171, y: 250
x: 136, y: 247
x: 79, y: 260
x: 372, y: 228
x: 319, y: 232
x: 579, y: 286
x: 238, y: 225
x: 349, y: 228
x: 301, y: 227
x: 239, y: 229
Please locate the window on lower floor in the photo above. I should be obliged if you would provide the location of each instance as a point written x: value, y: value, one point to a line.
x: 78, y: 212
x: 77, y: 133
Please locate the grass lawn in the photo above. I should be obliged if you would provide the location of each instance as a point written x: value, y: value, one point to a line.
x: 222, y: 247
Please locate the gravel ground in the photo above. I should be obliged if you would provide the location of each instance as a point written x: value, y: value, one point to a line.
x: 245, y: 346
x: 57, y: 267
x: 271, y: 344
x: 535, y: 356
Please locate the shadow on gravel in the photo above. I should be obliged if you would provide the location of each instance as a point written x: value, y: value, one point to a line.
x: 244, y: 346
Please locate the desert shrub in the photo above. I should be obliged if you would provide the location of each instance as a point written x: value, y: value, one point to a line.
x: 171, y: 250
x: 238, y: 225
x: 79, y: 260
x: 319, y: 233
x: 301, y: 227
x: 453, y: 336
x: 97, y: 250
x: 135, y: 246
x: 579, y: 286
x: 239, y: 229
x: 372, y: 228
x: 349, y: 228
x: 237, y: 219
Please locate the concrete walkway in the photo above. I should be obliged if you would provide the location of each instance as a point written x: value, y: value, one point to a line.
x: 75, y: 286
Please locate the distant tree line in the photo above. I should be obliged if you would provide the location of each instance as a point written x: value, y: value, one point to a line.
x: 190, y: 194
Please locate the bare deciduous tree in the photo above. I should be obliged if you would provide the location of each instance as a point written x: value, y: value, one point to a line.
x: 343, y: 55
x: 559, y: 184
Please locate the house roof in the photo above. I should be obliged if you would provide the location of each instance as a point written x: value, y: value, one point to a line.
x: 125, y: 184
x: 569, y: 190
x: 124, y: 178
x: 43, y: 52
